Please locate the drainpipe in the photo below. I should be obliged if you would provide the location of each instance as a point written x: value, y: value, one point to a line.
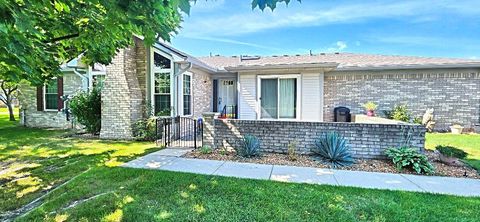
x: 84, y: 79
x: 179, y: 84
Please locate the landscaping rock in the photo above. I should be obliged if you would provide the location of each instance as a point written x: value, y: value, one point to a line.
x: 368, y: 165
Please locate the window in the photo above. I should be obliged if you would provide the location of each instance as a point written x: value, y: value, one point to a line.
x: 278, y: 98
x: 187, y: 95
x: 161, y: 77
x: 98, y: 74
x: 161, y: 62
x: 51, y: 95
x: 98, y: 80
x: 161, y: 94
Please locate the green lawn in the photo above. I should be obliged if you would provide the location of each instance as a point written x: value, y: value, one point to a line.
x: 470, y: 143
x: 35, y: 160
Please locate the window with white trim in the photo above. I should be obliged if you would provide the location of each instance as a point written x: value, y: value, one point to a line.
x: 50, y: 95
x: 98, y: 74
x: 162, y: 96
x: 278, y: 97
x: 187, y: 94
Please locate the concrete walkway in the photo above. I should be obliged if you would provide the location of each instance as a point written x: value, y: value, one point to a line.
x: 171, y: 160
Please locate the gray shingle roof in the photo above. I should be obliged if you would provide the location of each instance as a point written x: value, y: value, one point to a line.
x: 345, y: 61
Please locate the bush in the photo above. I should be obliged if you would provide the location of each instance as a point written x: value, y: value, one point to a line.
x: 292, y: 151
x: 205, y: 150
x: 250, y: 146
x: 400, y: 113
x: 451, y: 151
x: 144, y: 129
x: 333, y: 148
x: 406, y: 157
x: 86, y: 108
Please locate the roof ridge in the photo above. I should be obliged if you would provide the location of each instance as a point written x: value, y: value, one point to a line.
x: 339, y: 53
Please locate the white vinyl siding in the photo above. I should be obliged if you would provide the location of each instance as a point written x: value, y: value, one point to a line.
x: 312, y: 96
x: 247, y: 96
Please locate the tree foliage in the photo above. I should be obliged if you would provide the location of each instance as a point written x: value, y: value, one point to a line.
x: 37, y: 36
x: 272, y: 4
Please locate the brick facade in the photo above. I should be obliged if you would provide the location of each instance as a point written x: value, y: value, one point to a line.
x: 51, y: 119
x: 202, y: 92
x: 454, y: 94
x: 123, y: 93
x: 365, y: 140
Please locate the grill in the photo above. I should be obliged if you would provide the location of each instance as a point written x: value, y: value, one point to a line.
x: 342, y: 114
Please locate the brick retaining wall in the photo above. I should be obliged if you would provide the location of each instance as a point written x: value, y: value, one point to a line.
x: 365, y: 140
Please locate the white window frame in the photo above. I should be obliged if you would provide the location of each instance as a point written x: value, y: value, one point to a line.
x: 191, y: 95
x: 153, y: 70
x: 45, y: 97
x: 91, y: 74
x: 280, y: 76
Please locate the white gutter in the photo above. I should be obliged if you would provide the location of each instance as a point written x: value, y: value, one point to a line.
x: 181, y: 71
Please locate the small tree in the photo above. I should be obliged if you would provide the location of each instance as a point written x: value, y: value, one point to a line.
x: 9, y: 92
x: 86, y: 108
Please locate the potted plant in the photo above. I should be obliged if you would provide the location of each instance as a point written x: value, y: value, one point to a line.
x: 370, y: 107
x: 456, y: 129
x: 451, y: 155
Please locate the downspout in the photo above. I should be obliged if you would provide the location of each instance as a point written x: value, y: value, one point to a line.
x: 179, y: 84
x: 84, y: 79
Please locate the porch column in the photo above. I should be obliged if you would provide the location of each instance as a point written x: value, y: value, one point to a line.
x: 209, y: 129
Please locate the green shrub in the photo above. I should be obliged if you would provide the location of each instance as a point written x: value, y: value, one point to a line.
x: 406, y: 157
x: 86, y: 108
x: 205, y: 150
x: 144, y: 129
x: 451, y: 151
x: 417, y: 120
x: 292, y: 151
x: 333, y: 148
x: 400, y: 113
x: 250, y: 146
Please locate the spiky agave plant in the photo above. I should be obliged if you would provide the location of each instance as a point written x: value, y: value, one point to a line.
x: 250, y: 146
x: 334, y: 149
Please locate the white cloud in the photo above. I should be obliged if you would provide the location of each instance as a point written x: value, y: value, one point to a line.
x: 427, y: 41
x: 231, y: 41
x: 207, y: 5
x: 231, y: 23
x: 339, y: 46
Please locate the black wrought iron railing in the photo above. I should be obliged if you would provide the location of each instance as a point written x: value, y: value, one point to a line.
x: 179, y: 132
x: 229, y: 112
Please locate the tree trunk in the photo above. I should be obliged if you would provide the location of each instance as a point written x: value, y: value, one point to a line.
x: 10, y: 111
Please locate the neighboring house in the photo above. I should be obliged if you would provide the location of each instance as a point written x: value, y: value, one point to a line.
x: 294, y: 87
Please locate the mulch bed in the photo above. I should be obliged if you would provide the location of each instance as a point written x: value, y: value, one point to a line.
x: 369, y: 165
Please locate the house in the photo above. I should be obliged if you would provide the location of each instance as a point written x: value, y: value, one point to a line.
x: 286, y: 87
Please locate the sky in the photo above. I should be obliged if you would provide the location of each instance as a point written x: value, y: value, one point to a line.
x: 431, y: 28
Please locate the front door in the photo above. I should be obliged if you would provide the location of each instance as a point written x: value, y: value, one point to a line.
x: 226, y: 94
